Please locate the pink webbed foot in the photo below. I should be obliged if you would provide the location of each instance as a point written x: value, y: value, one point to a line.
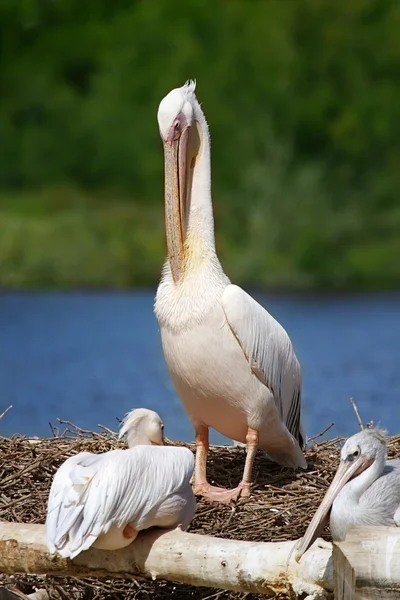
x: 218, y: 494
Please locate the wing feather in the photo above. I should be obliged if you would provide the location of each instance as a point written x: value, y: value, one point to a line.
x: 269, y: 352
x: 381, y: 501
x: 63, y: 508
x: 90, y: 493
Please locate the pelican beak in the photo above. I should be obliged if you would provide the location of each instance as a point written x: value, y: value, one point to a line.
x: 346, y: 471
x: 176, y: 201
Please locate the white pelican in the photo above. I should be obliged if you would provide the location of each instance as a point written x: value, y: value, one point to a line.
x: 104, y: 500
x: 364, y: 491
x: 232, y: 363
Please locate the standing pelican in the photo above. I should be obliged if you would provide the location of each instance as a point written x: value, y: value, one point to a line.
x: 364, y: 491
x: 232, y: 364
x: 104, y: 500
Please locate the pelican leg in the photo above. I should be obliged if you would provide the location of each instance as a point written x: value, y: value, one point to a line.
x: 200, y: 484
x: 252, y: 447
x: 217, y: 494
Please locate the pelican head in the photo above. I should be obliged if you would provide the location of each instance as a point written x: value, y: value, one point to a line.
x: 181, y: 136
x: 359, y: 453
x: 142, y: 427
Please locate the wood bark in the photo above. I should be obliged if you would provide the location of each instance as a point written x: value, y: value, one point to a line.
x: 177, y: 556
x: 367, y: 564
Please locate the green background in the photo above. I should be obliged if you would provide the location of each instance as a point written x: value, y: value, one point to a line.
x: 303, y: 102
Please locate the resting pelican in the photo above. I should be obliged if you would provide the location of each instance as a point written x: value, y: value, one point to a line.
x: 232, y: 363
x: 364, y: 491
x: 104, y: 500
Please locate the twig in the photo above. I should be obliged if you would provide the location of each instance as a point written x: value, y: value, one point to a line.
x: 30, y: 467
x: 216, y: 595
x: 113, y: 433
x: 76, y: 427
x: 39, y: 595
x: 361, y: 424
x: 54, y: 430
x: 13, y: 593
x: 5, y: 412
x: 320, y: 434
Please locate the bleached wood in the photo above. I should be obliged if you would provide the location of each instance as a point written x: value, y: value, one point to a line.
x: 367, y: 564
x: 182, y: 557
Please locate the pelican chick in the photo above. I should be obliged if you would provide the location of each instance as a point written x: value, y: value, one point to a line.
x: 232, y: 364
x: 104, y: 500
x: 364, y: 491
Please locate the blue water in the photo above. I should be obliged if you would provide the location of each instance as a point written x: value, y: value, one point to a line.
x: 92, y: 357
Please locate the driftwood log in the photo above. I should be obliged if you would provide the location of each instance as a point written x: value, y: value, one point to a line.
x: 367, y: 564
x: 200, y: 560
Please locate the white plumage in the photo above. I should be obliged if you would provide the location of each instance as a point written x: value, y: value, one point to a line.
x: 104, y: 500
x: 269, y: 352
x: 232, y: 363
x: 364, y: 491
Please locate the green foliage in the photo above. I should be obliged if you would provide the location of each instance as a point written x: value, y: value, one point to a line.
x: 83, y: 244
x: 303, y: 102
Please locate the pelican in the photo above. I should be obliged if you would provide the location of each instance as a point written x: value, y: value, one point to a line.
x: 364, y: 491
x: 104, y: 500
x: 231, y: 362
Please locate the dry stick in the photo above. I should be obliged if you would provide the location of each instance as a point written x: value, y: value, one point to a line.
x: 110, y: 431
x: 216, y: 595
x: 361, y: 424
x: 39, y: 595
x: 14, y: 593
x: 34, y: 464
x: 320, y: 434
x: 79, y: 429
x: 5, y: 412
x: 54, y: 430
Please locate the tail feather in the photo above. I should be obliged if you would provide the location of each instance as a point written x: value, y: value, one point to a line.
x: 284, y: 448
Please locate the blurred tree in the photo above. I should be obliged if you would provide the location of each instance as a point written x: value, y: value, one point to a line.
x: 303, y: 101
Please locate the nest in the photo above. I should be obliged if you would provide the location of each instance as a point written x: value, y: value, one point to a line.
x: 279, y: 508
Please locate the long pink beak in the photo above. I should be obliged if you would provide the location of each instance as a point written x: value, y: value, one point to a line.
x: 345, y: 472
x: 175, y: 156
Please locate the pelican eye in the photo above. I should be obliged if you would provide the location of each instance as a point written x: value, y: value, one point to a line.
x: 177, y: 125
x: 353, y: 455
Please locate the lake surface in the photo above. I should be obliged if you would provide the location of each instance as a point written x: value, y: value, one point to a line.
x: 91, y: 357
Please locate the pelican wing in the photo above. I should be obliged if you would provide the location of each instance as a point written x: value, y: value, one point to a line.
x: 380, y: 502
x: 94, y: 492
x: 394, y: 466
x: 64, y: 500
x: 268, y: 350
